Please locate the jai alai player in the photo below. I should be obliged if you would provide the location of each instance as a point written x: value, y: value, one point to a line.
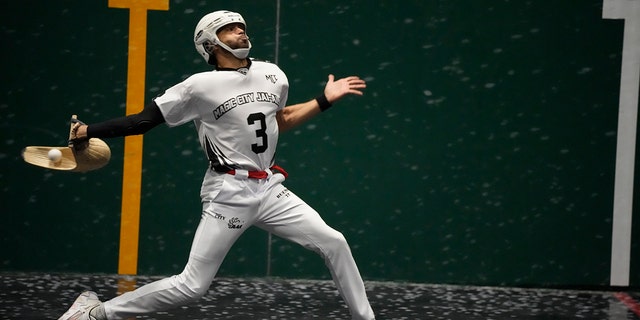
x: 238, y: 110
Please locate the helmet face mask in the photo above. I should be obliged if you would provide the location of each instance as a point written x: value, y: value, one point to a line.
x: 205, y: 35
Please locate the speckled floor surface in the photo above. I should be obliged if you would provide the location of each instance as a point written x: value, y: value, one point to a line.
x: 47, y: 296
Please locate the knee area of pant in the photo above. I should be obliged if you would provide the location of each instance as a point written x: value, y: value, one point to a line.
x: 190, y: 287
x: 336, y: 242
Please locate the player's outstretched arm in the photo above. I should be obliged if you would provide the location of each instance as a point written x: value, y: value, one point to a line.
x: 133, y: 124
x: 334, y: 90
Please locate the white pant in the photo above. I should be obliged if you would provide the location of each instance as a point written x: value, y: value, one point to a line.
x: 229, y: 209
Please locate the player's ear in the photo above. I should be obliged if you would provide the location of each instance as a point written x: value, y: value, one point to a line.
x: 208, y: 47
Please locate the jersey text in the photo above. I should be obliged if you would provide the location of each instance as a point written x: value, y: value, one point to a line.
x: 232, y: 103
x: 243, y: 99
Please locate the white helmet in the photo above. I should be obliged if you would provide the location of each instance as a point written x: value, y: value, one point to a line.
x: 206, y: 34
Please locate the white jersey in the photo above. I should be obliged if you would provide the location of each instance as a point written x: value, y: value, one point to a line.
x: 234, y: 112
x: 235, y: 115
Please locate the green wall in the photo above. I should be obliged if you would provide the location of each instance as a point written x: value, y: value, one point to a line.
x: 482, y: 153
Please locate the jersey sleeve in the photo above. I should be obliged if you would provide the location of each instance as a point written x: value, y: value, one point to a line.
x: 175, y: 105
x: 284, y: 93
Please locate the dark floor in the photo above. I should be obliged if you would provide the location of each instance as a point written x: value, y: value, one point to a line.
x: 47, y: 296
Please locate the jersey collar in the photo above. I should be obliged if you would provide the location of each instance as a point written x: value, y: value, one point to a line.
x: 242, y: 70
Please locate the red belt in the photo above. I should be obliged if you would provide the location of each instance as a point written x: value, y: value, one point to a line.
x: 261, y: 174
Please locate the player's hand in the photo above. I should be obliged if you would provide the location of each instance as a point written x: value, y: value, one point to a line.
x: 335, y: 90
x: 78, y: 135
x: 79, y: 131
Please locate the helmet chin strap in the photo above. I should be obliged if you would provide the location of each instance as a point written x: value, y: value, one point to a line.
x: 240, y: 53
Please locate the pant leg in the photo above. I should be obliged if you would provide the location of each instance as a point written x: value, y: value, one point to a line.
x: 287, y: 216
x: 212, y: 241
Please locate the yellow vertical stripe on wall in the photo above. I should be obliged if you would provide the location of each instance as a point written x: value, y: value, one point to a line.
x: 132, y: 171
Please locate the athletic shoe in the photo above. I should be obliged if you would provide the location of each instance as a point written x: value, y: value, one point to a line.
x: 81, y: 307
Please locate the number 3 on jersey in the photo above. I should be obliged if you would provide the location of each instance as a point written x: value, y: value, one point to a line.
x: 260, y: 133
